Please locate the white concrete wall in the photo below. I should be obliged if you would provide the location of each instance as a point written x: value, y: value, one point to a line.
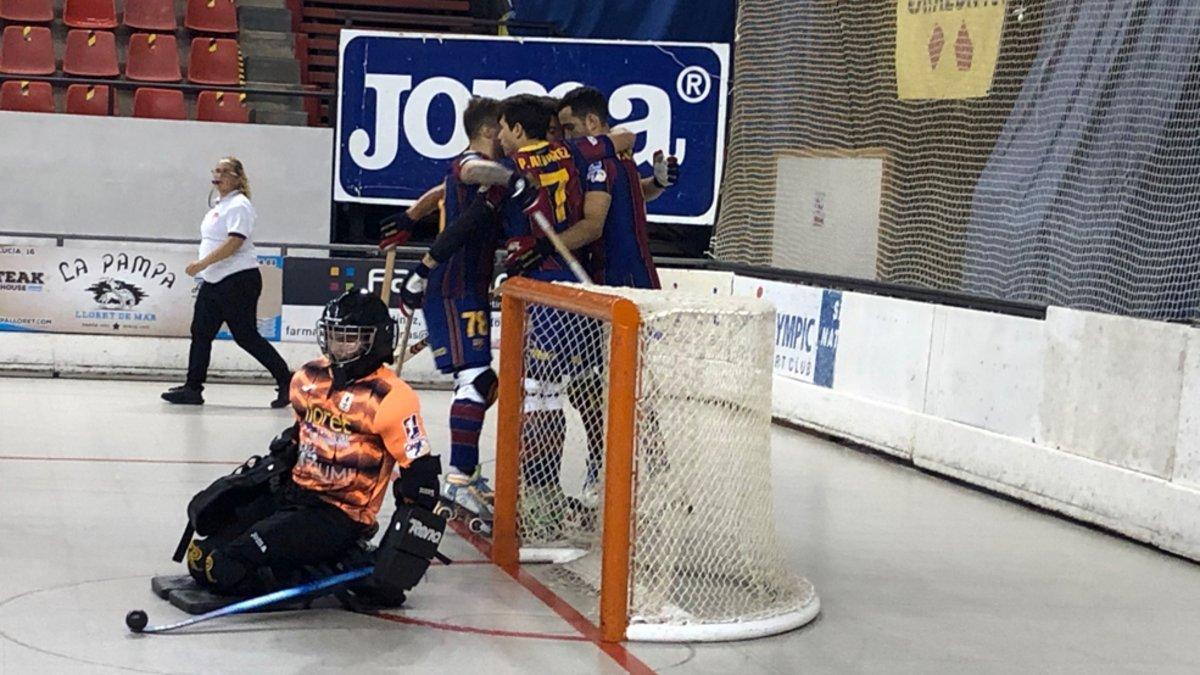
x: 1093, y: 416
x: 141, y: 177
x: 1186, y: 470
x: 985, y: 370
x: 1115, y: 389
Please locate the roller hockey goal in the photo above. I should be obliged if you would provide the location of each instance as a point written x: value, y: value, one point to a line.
x: 633, y: 456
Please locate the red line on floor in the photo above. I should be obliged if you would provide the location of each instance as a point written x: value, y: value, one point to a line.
x: 396, y: 618
x: 615, y: 650
x: 118, y: 460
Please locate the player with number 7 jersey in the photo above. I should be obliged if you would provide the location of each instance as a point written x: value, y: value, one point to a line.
x: 558, y: 166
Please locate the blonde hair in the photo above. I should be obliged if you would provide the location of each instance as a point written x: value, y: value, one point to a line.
x: 239, y: 172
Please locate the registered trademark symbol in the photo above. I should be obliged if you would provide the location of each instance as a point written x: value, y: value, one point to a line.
x: 693, y: 84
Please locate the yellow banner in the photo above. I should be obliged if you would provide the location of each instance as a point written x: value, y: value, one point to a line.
x: 947, y: 48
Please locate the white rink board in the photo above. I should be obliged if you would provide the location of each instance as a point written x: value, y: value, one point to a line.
x: 985, y: 370
x: 1116, y: 388
x: 1187, y: 444
x: 883, y: 349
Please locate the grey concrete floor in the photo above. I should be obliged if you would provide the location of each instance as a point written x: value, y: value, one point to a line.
x: 915, y: 574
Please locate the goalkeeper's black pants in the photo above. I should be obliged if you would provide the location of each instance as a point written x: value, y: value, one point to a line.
x: 273, y: 552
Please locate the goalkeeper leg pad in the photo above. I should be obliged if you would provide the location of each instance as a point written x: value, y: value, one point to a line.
x: 411, y: 541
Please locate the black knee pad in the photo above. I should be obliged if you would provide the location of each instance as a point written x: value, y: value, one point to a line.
x: 485, y: 385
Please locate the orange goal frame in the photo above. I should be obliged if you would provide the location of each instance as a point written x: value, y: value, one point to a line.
x: 620, y: 433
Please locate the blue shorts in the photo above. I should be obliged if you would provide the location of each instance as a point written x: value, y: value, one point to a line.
x: 561, y: 344
x: 459, y: 332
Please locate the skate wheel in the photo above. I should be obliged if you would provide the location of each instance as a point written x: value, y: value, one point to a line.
x: 476, y: 525
x: 443, y: 511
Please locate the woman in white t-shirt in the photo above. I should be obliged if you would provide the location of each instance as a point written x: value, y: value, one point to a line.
x: 230, y: 285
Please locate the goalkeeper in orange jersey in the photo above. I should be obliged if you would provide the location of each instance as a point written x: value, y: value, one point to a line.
x: 308, y: 508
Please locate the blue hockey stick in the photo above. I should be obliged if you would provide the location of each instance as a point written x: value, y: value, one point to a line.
x: 137, y: 619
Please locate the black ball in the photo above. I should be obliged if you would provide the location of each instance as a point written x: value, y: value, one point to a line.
x: 136, y: 620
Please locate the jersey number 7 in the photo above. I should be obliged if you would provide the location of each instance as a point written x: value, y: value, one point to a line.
x: 556, y: 181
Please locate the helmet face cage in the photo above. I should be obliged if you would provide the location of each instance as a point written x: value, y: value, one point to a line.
x: 332, y: 336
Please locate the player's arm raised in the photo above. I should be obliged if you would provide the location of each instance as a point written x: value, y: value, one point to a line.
x: 526, y: 253
x: 622, y: 139
x: 428, y: 202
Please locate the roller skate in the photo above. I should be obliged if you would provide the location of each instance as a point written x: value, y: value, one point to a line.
x: 541, y: 513
x: 467, y: 498
x: 581, y: 520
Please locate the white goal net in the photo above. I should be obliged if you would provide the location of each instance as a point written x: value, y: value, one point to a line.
x: 704, y: 562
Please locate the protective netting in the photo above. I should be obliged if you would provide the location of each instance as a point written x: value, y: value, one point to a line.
x: 1074, y: 181
x: 703, y: 546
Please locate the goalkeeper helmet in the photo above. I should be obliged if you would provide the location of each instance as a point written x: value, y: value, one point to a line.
x: 357, y: 334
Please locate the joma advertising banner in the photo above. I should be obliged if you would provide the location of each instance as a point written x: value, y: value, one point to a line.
x: 402, y: 98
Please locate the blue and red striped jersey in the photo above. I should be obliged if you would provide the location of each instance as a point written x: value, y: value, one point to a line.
x: 621, y: 257
x: 469, y: 272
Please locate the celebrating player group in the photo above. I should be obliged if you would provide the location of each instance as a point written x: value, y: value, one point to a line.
x: 530, y: 158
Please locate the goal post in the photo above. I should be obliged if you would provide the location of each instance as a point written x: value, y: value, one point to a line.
x: 633, y: 455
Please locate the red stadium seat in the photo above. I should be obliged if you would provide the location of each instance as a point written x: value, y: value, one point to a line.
x: 211, y: 16
x: 220, y: 106
x: 165, y: 104
x: 152, y: 58
x: 100, y: 14
x: 27, y: 50
x: 27, y: 11
x: 151, y: 15
x: 26, y: 96
x: 91, y: 54
x: 214, y: 61
x: 86, y: 99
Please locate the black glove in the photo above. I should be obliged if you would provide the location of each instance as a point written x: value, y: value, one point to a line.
x: 524, y: 189
x: 418, y: 483
x: 526, y: 253
x: 286, y: 443
x: 395, y: 230
x: 412, y: 291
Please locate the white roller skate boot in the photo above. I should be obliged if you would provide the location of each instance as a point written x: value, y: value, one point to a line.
x: 467, y: 498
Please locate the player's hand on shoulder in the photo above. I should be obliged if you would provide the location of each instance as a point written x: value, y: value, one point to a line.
x: 666, y: 170
x: 526, y: 253
x: 412, y: 290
